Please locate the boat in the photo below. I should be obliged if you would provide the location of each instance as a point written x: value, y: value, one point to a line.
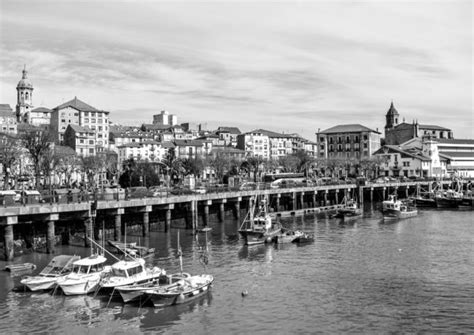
x: 427, y: 200
x: 131, y: 249
x: 134, y: 292
x: 181, y: 292
x: 350, y: 210
x: 128, y: 272
x: 287, y: 236
x: 257, y: 227
x: 305, y: 238
x: 449, y: 199
x: 397, y: 209
x: 46, y: 279
x: 85, y: 276
x: 20, y: 269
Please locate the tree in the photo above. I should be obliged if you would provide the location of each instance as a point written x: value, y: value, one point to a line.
x: 93, y: 166
x: 10, y: 153
x: 173, y: 165
x: 38, y: 143
x: 220, y: 165
x: 192, y: 166
x: 288, y: 163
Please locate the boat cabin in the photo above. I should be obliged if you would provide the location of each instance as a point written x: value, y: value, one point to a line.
x: 262, y: 223
x: 128, y: 268
x: 89, y: 265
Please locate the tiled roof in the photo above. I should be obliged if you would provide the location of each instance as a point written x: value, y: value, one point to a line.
x: 64, y: 150
x: 79, y: 105
x: 42, y: 110
x: 189, y: 143
x: 130, y: 145
x: 79, y: 129
x: 270, y: 133
x: 167, y: 144
x: 432, y: 127
x: 392, y: 110
x: 458, y: 154
x: 395, y: 148
x: 454, y: 141
x: 227, y: 149
x: 232, y: 130
x: 347, y: 128
x: 5, y: 108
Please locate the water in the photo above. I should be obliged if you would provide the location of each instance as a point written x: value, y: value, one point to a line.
x: 366, y: 276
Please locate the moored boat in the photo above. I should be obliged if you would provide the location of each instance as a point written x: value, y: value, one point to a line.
x: 181, y: 292
x: 449, y: 199
x: 128, y: 272
x: 258, y: 227
x: 136, y: 292
x: 85, y: 276
x: 396, y: 209
x: 305, y: 238
x: 131, y: 249
x: 350, y: 210
x: 46, y: 279
x: 287, y: 236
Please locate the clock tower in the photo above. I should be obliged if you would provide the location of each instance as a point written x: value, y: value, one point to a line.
x: 24, y: 99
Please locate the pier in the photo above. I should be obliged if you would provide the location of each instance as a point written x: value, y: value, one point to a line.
x: 194, y: 210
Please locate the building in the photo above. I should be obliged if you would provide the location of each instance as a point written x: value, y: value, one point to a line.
x: 24, y: 98
x: 397, y: 133
x: 165, y: 119
x: 413, y: 161
x: 255, y: 143
x: 459, y: 154
x: 8, y: 120
x: 185, y: 149
x: 81, y: 139
x: 229, y: 153
x: 40, y: 116
x: 228, y: 135
x: 348, y: 141
x: 145, y: 151
x: 77, y: 112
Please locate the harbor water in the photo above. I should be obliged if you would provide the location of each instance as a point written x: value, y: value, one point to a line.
x: 362, y: 276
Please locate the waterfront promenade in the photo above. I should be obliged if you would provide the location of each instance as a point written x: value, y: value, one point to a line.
x: 189, y: 207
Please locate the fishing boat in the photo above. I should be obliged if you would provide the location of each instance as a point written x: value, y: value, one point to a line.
x: 85, y: 276
x: 350, y: 210
x: 287, y: 236
x: 134, y: 292
x: 46, y: 279
x: 397, y: 209
x: 131, y: 249
x: 449, y: 199
x: 305, y: 238
x: 181, y: 292
x: 257, y: 227
x: 128, y: 272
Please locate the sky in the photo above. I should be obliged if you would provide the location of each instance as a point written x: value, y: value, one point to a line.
x: 292, y: 67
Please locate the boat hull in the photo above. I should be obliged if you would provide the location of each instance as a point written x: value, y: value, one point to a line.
x: 39, y: 283
x: 79, y: 286
x: 253, y: 237
x: 448, y: 203
x: 421, y: 202
x: 394, y: 214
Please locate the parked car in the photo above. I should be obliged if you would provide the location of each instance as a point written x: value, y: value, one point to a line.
x: 158, y: 191
x: 248, y: 186
x: 200, y: 190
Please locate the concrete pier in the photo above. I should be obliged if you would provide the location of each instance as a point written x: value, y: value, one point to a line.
x: 221, y: 215
x: 118, y: 224
x: 168, y: 217
x: 8, y: 243
x: 302, y: 200
x: 88, y: 226
x: 50, y: 236
x: 205, y: 212
x: 146, y: 224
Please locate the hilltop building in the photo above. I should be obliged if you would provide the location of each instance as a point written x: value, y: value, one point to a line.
x: 8, y: 121
x: 397, y: 133
x: 348, y: 141
x: 165, y: 119
x: 77, y: 112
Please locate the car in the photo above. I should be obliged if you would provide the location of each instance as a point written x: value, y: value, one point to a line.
x: 248, y: 186
x: 200, y: 190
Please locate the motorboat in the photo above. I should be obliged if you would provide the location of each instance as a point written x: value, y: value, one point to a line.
x: 350, y: 210
x: 305, y: 238
x: 46, y: 279
x: 180, y: 292
x: 85, y: 276
x: 287, y: 236
x: 130, y: 272
x: 134, y: 292
x: 449, y: 199
x: 130, y: 249
x: 258, y: 227
x: 397, y: 209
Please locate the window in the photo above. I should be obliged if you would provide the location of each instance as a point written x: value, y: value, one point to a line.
x: 365, y: 145
x: 91, y: 142
x: 86, y: 113
x: 76, y: 114
x: 348, y: 139
x: 81, y: 141
x: 91, y: 151
x: 92, y: 114
x: 63, y: 120
x: 366, y: 137
x: 356, y: 139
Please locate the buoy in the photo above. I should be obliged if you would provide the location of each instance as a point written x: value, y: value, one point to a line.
x: 245, y: 293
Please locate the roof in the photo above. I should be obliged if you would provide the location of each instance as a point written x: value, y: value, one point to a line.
x: 392, y: 110
x: 167, y: 144
x: 42, y: 110
x: 232, y: 130
x: 79, y: 105
x: 130, y: 145
x: 348, y: 128
x: 6, y: 111
x: 227, y: 149
x: 454, y: 141
x: 432, y: 127
x: 64, y: 150
x: 189, y: 143
x: 458, y: 154
x: 269, y: 133
x: 91, y: 260
x: 415, y: 154
x: 79, y: 129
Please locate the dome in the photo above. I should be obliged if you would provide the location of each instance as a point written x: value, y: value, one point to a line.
x: 24, y: 82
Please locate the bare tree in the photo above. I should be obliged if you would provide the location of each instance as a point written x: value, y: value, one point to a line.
x: 10, y: 153
x: 220, y: 165
x: 38, y: 144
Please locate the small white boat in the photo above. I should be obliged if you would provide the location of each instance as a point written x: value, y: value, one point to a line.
x: 396, y: 209
x: 135, y: 292
x: 130, y: 272
x: 46, y: 279
x: 85, y: 276
x: 181, y: 292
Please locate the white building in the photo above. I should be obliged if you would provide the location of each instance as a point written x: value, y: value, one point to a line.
x: 8, y: 123
x: 255, y: 144
x: 165, y: 119
x: 147, y: 151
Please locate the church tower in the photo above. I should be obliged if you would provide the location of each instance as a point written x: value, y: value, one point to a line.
x: 391, y: 118
x: 24, y: 98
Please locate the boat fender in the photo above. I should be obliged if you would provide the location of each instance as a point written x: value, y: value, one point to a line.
x: 268, y: 240
x: 180, y: 298
x: 245, y: 293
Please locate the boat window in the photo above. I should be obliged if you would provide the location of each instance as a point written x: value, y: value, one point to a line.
x: 119, y: 273
x: 134, y: 271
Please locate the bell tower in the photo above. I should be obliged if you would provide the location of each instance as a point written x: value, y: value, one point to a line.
x: 24, y: 99
x: 391, y: 118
